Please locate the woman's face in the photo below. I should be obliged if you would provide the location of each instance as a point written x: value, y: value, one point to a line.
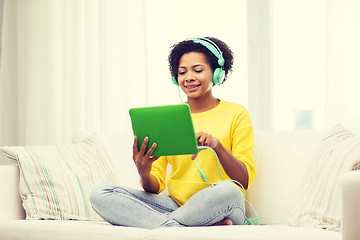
x: 195, y: 76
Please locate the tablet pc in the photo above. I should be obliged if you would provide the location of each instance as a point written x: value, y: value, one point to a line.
x: 170, y: 126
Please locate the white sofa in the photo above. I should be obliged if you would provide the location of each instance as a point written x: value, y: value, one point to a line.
x: 281, y: 161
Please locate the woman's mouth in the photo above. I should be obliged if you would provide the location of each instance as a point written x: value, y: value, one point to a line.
x: 192, y: 88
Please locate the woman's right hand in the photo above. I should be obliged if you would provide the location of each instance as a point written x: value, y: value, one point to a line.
x: 142, y: 160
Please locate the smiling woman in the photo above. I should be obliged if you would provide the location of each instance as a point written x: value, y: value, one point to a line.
x: 194, y: 199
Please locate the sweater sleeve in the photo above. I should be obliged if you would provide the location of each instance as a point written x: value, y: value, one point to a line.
x: 158, y: 170
x: 243, y: 143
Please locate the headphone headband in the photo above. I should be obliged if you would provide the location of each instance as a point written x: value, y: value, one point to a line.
x: 212, y: 48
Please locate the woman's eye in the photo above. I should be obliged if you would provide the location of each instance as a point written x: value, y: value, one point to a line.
x: 181, y: 73
x: 198, y: 70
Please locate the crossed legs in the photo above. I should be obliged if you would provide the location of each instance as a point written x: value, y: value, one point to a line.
x: 220, y: 203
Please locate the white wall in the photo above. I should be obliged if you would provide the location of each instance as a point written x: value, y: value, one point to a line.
x: 168, y: 23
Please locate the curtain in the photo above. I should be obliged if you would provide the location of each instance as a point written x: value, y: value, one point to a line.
x: 73, y: 66
x: 1, y: 83
x: 70, y: 66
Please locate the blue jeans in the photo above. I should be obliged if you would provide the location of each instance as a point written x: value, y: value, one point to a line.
x: 136, y: 208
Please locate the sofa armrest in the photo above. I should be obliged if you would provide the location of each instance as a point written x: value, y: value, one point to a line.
x: 10, y: 202
x: 350, y: 209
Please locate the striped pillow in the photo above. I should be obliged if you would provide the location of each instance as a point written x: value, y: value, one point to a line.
x: 55, y: 181
x: 318, y: 204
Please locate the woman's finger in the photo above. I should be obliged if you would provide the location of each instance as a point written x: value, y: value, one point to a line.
x: 143, y: 146
x: 194, y: 156
x: 153, y: 159
x: 151, y: 150
x: 135, y: 146
x: 202, y: 139
x: 208, y: 140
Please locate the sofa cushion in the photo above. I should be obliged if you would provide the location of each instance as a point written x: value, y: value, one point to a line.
x: 118, y: 148
x: 319, y: 201
x: 55, y: 180
x: 281, y: 159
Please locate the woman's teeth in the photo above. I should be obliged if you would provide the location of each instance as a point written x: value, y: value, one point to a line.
x: 190, y: 87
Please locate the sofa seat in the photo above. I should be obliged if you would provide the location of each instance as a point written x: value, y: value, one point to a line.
x: 78, y: 230
x: 245, y: 232
x: 67, y: 229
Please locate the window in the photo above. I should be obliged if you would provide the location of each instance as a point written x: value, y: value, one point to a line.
x: 299, y: 64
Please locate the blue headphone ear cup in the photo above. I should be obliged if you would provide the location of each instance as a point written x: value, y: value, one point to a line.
x: 174, y: 80
x: 218, y: 76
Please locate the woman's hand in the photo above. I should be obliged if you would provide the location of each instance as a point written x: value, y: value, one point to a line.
x: 205, y: 139
x: 142, y: 160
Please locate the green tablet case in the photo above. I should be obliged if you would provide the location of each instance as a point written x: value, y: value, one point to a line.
x: 170, y: 126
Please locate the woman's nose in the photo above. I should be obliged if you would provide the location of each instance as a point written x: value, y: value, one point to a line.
x: 189, y: 77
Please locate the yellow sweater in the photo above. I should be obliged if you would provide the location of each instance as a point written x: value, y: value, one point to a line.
x: 228, y: 122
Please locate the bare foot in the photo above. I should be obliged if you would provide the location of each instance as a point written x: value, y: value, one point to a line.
x: 224, y: 222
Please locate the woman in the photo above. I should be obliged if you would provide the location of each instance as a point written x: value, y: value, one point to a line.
x: 196, y: 65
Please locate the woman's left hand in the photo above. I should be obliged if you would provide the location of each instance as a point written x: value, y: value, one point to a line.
x: 205, y: 139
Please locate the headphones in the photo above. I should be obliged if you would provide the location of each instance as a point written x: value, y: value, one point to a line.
x: 219, y: 73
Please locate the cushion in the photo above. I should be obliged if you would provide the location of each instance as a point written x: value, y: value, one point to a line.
x: 281, y: 160
x: 118, y: 147
x: 319, y: 200
x: 55, y: 180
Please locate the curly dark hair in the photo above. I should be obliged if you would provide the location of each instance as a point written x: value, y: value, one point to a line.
x: 187, y: 46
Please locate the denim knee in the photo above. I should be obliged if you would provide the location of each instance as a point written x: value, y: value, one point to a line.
x: 97, y: 194
x: 229, y: 190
